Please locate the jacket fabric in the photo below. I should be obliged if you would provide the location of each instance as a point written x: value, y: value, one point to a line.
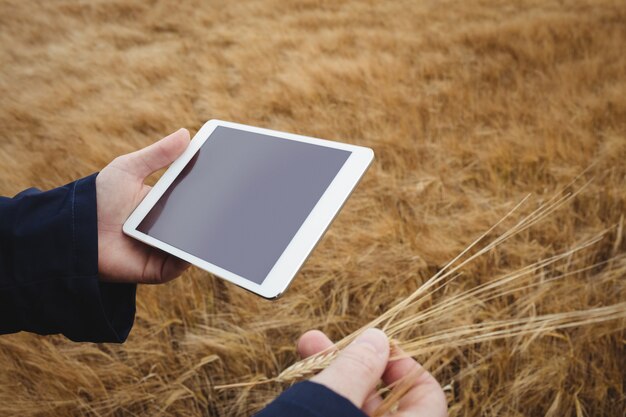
x: 49, y: 284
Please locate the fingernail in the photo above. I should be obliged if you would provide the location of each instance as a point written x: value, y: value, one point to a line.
x: 376, y: 339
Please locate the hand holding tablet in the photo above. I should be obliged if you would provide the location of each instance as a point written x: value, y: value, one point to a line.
x: 248, y: 204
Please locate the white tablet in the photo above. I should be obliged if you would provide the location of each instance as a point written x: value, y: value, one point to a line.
x: 249, y: 204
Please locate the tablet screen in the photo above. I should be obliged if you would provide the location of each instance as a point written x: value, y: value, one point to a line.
x: 242, y: 198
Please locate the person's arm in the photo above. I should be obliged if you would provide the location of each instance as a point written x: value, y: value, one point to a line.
x: 309, y: 399
x: 65, y: 265
x: 49, y: 267
x: 347, y: 388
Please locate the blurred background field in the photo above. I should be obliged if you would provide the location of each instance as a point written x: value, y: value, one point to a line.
x: 468, y: 105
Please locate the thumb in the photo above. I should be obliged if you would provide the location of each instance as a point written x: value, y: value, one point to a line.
x: 158, y: 155
x: 358, y: 368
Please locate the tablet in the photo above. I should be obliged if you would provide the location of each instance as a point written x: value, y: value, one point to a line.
x: 249, y: 204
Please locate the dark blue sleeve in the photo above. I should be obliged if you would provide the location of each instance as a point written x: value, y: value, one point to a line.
x: 308, y: 399
x: 49, y: 268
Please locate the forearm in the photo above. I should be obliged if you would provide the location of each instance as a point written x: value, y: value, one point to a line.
x: 308, y: 399
x: 49, y: 267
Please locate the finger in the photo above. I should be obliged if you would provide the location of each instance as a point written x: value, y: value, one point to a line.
x: 372, y: 403
x: 424, y: 395
x: 313, y: 342
x: 173, y: 268
x: 156, y: 156
x: 161, y: 267
x: 357, y: 369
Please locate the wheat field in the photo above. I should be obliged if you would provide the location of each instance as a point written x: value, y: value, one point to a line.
x: 468, y: 105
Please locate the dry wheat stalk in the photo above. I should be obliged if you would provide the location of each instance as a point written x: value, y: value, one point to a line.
x: 395, y: 324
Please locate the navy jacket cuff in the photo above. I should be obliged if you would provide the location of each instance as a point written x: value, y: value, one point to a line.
x: 309, y: 399
x: 113, y: 303
x: 49, y: 267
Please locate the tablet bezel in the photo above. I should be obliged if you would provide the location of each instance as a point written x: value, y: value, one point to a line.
x: 305, y: 239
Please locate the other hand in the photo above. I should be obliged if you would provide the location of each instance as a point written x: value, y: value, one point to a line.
x: 119, y: 190
x: 358, y: 369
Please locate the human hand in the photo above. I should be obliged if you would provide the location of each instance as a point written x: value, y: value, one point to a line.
x: 119, y: 189
x: 358, y: 369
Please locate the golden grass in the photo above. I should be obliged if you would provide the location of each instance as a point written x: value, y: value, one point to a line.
x: 408, y: 314
x: 469, y: 106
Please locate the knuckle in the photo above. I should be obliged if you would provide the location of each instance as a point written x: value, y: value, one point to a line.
x: 121, y: 160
